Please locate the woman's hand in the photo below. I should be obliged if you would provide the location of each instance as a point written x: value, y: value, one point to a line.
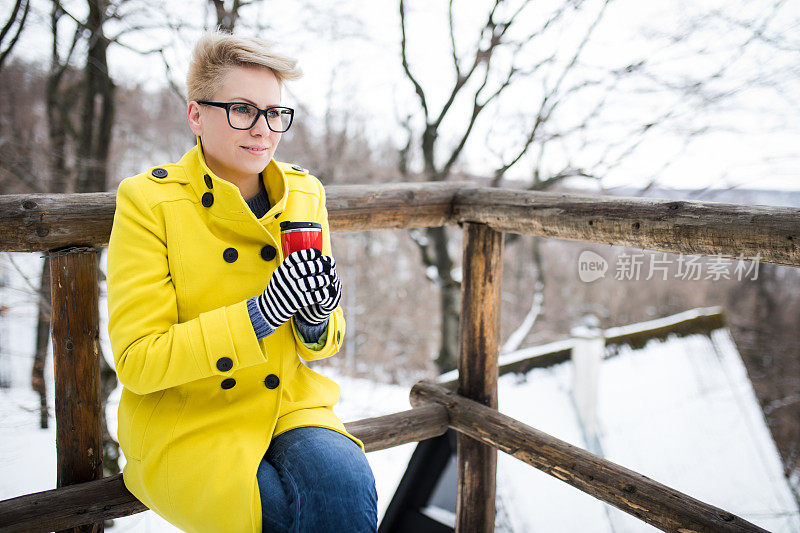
x: 303, y: 279
x: 319, y: 312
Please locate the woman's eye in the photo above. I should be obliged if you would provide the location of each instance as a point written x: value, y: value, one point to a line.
x: 273, y: 113
x: 242, y: 109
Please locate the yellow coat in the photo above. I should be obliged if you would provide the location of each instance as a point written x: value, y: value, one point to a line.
x: 200, y: 400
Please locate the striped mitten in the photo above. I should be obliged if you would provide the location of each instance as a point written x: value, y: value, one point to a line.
x: 319, y: 312
x: 302, y: 279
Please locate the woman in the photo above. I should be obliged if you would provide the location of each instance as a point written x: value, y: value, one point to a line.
x: 223, y: 426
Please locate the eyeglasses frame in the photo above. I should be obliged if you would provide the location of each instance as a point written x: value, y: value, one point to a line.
x: 227, y: 107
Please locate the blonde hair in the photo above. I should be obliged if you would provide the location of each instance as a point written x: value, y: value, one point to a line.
x: 217, y: 52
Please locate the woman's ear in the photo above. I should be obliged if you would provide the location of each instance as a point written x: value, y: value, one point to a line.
x: 193, y: 116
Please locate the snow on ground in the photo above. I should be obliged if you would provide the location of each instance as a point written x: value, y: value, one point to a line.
x: 681, y: 412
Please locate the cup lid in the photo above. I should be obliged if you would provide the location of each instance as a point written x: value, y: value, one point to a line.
x: 287, y: 225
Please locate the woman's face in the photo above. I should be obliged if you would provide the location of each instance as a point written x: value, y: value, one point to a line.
x: 236, y: 155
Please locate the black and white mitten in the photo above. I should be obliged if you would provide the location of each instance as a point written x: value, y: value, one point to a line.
x: 302, y: 279
x: 319, y: 312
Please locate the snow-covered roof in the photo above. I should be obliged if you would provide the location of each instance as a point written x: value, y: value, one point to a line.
x: 680, y: 411
x: 671, y: 399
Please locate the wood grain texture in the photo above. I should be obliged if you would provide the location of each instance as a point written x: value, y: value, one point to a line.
x: 76, y: 367
x: 678, y: 226
x: 479, y: 329
x: 107, y: 498
x: 35, y: 222
x: 650, y: 501
x: 391, y: 206
x: 413, y: 425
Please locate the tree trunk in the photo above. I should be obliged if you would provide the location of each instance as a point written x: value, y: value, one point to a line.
x: 95, y: 136
x: 42, y: 342
x: 226, y: 18
x: 450, y: 299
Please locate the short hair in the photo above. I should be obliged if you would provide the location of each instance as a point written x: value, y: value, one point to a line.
x: 216, y: 52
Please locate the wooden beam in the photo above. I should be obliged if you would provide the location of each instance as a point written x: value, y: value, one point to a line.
x: 108, y: 498
x: 390, y: 205
x: 413, y: 425
x: 640, y: 496
x: 677, y: 226
x: 68, y: 507
x: 638, y: 337
x: 35, y: 222
x: 76, y: 367
x: 477, y: 372
x: 522, y: 366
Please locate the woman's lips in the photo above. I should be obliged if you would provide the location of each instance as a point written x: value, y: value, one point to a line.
x: 254, y: 150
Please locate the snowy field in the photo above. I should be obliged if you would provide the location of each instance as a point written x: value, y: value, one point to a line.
x: 681, y: 412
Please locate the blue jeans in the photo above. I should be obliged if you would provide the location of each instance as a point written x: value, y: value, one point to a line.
x: 316, y: 479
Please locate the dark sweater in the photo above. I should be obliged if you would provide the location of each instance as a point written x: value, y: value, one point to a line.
x: 259, y: 204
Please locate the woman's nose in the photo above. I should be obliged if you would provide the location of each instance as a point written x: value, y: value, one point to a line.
x: 260, y: 126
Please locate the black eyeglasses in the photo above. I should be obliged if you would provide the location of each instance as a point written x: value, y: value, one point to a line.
x: 243, y: 116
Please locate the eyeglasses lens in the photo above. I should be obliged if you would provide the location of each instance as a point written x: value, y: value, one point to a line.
x: 244, y: 116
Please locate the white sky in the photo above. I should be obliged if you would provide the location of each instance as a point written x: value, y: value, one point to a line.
x: 755, y: 143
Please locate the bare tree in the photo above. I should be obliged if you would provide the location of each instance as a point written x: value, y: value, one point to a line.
x: 228, y: 15
x: 14, y: 19
x: 496, y: 62
x: 474, y: 77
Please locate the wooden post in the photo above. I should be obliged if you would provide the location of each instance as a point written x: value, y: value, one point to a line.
x: 477, y: 372
x: 76, y: 352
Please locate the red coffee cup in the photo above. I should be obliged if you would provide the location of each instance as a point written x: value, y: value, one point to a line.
x: 300, y: 235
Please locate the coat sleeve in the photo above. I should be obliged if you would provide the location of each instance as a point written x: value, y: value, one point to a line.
x: 152, y: 351
x: 331, y: 341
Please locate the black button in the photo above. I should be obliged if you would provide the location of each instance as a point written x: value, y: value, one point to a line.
x: 230, y: 255
x: 224, y: 364
x: 268, y: 252
x: 228, y: 383
x: 278, y: 214
x: 160, y: 172
x: 209, y: 183
x: 271, y: 381
x: 298, y: 168
x: 338, y: 337
x: 208, y: 199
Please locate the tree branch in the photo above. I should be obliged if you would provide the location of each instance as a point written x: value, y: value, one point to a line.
x: 60, y: 6
x: 544, y: 113
x: 23, y: 175
x: 452, y: 39
x: 13, y: 18
x: 406, y: 68
x: 7, y: 27
x: 425, y: 250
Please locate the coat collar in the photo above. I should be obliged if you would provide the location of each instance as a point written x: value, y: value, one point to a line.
x: 227, y: 200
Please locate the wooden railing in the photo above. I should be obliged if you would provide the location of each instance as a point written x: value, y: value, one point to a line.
x: 73, y: 228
